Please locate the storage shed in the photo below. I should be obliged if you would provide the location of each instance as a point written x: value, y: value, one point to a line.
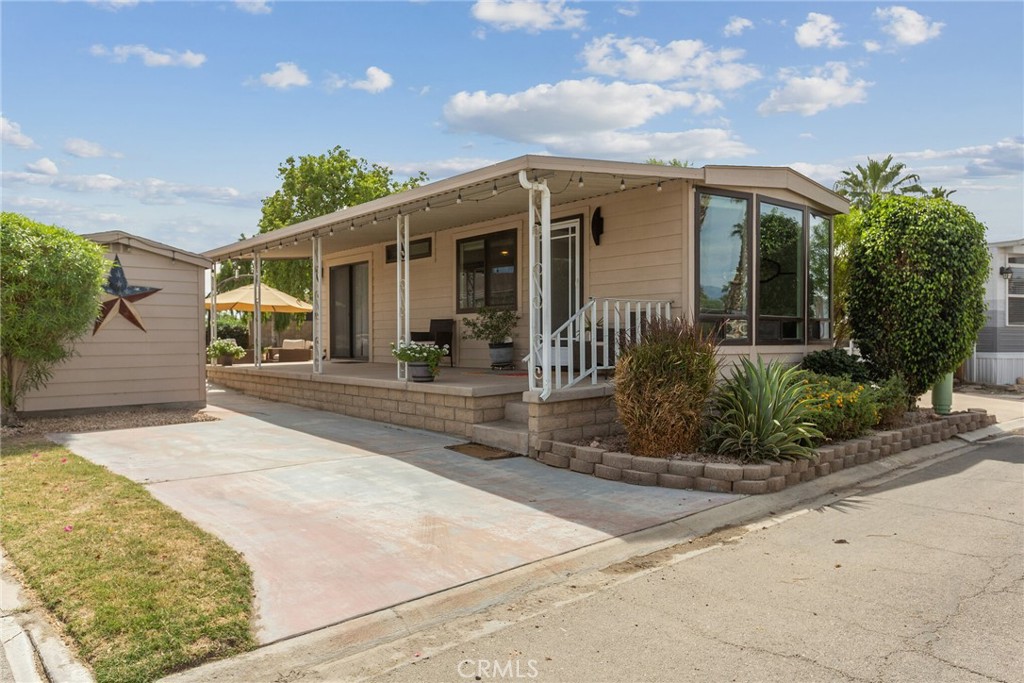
x: 148, y: 346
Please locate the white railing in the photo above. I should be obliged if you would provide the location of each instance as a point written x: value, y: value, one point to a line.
x: 587, y: 343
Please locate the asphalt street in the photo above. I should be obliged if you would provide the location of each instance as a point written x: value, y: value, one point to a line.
x: 914, y: 578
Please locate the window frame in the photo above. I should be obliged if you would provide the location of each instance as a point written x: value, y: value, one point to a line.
x: 753, y: 315
x: 803, y: 282
x: 391, y: 250
x: 720, y: 318
x: 1017, y: 266
x: 514, y: 232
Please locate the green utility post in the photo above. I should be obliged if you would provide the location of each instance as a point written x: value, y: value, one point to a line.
x: 942, y: 394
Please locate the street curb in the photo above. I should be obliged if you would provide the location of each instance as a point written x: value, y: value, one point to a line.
x: 335, y: 643
x: 32, y: 648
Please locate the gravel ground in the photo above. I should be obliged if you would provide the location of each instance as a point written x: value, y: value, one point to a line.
x: 106, y: 420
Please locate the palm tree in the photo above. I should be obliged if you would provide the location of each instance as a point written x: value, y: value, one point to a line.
x: 862, y: 184
x: 940, y: 192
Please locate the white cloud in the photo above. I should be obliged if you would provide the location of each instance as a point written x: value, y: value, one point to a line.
x: 593, y: 119
x: 630, y: 11
x: 807, y: 136
x: 827, y: 87
x: 872, y: 45
x: 10, y: 134
x: 377, y: 80
x: 737, y: 25
x: 819, y: 30
x: 44, y: 166
x: 567, y: 108
x: 146, y: 191
x: 689, y: 61
x: 253, y: 6
x: 441, y: 168
x: 1003, y: 158
x: 702, y: 144
x: 826, y: 174
x: 121, y: 54
x: 84, y: 149
x: 113, y: 5
x: 532, y: 16
x: 288, y: 75
x: 907, y: 27
x: 57, y: 212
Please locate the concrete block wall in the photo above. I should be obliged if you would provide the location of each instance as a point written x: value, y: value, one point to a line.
x: 572, y: 415
x: 760, y: 478
x: 439, y: 409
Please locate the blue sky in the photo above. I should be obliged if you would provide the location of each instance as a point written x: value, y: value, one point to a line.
x: 169, y: 119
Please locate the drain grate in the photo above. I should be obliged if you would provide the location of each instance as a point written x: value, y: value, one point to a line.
x: 478, y: 450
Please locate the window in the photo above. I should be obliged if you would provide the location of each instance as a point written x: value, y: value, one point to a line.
x: 780, y: 273
x: 819, y: 278
x: 723, y: 283
x: 782, y: 296
x: 1015, y: 292
x: 417, y: 249
x: 486, y: 271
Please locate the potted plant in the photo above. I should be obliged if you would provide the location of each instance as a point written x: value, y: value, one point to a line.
x: 423, y: 359
x: 224, y: 350
x: 494, y: 326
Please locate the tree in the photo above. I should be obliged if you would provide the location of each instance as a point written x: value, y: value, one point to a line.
x: 316, y: 185
x: 50, y: 285
x: 940, y: 192
x: 865, y: 184
x: 671, y: 162
x: 917, y: 291
x: 845, y: 234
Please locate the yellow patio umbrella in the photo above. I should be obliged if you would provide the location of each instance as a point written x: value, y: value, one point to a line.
x: 271, y: 301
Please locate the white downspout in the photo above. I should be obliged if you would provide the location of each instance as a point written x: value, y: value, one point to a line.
x: 257, y: 346
x: 402, y: 288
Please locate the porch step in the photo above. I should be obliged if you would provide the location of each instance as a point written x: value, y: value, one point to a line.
x: 511, y: 436
x: 517, y: 411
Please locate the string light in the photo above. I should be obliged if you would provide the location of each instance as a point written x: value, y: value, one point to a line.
x: 659, y: 186
x: 622, y: 184
x: 352, y: 226
x: 580, y: 183
x: 375, y: 219
x: 331, y: 231
x: 458, y: 200
x: 494, y: 189
x: 426, y: 209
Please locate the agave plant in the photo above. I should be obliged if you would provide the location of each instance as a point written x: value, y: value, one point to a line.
x: 764, y: 414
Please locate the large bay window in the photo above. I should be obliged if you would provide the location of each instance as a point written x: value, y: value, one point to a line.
x: 486, y: 271
x: 781, y: 296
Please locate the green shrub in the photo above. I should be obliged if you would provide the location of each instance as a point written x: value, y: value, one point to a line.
x: 835, y: 363
x: 892, y: 399
x: 663, y: 380
x: 843, y: 409
x: 917, y: 295
x: 230, y: 327
x: 764, y: 414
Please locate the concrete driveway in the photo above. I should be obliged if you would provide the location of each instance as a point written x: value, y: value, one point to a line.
x: 339, y: 517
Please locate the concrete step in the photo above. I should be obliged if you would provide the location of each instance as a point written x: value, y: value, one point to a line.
x: 510, y: 436
x: 517, y: 411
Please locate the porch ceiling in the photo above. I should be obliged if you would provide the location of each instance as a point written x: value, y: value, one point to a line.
x: 488, y: 193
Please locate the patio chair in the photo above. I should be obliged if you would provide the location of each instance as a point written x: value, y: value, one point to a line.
x: 442, y: 332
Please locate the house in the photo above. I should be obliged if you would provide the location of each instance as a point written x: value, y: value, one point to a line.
x: 998, y: 356
x: 582, y: 249
x: 147, y: 347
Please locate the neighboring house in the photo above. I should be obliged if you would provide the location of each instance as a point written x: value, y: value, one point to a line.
x: 999, y: 352
x: 147, y: 347
x: 576, y: 247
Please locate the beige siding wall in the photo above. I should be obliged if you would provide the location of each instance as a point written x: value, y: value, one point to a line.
x: 646, y: 252
x: 122, y: 365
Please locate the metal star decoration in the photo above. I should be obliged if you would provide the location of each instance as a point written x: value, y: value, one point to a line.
x: 120, y: 298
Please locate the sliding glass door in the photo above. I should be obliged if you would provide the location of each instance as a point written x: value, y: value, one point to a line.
x: 350, y: 311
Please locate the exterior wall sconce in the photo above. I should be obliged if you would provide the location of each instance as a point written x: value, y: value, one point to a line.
x: 1006, y: 272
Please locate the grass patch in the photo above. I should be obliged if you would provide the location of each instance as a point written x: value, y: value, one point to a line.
x: 142, y: 591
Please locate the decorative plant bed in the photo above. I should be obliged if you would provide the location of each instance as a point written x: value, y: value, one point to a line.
x: 768, y: 477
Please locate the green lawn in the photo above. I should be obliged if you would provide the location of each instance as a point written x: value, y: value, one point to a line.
x: 141, y: 590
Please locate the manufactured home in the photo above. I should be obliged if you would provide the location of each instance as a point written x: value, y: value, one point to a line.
x: 583, y: 250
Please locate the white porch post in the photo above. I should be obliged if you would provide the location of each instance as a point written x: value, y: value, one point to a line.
x: 402, y: 287
x: 540, y: 284
x: 318, y: 360
x: 257, y: 342
x: 213, y: 302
